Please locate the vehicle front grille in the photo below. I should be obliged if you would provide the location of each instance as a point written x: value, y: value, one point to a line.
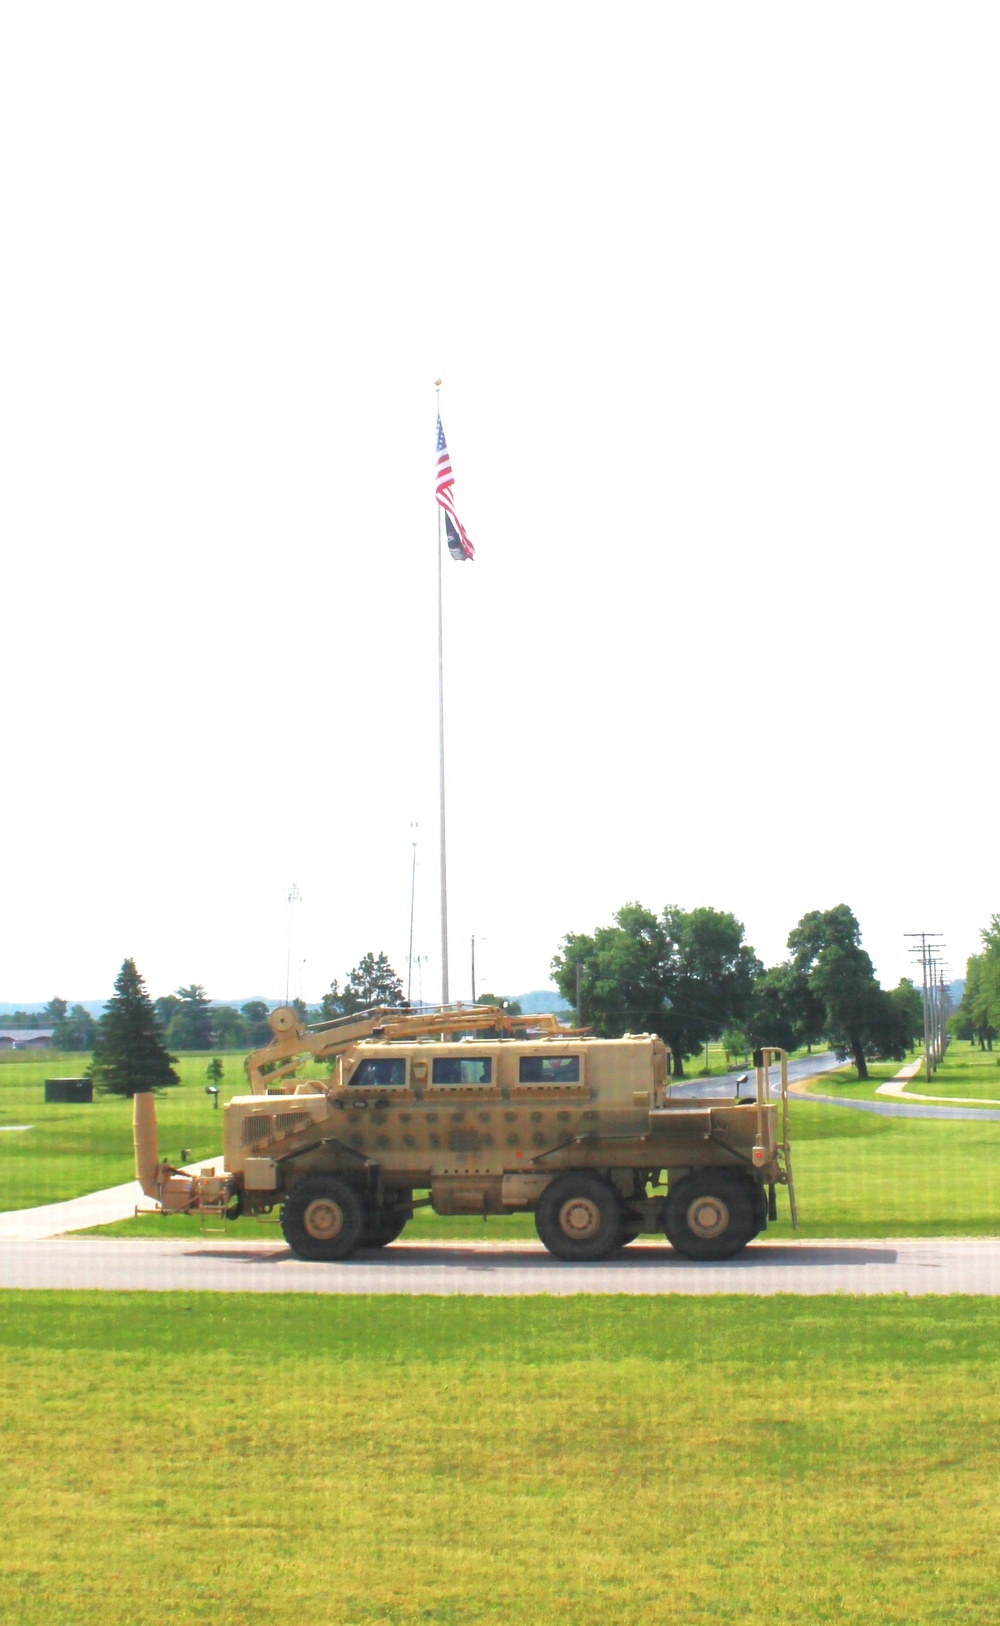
x: 257, y: 1128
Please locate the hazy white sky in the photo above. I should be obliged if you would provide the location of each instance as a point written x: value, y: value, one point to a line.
x: 713, y: 292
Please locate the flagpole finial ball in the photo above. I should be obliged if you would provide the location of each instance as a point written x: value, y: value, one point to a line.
x: 437, y: 383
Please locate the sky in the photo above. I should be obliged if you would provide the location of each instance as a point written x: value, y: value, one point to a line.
x: 712, y: 291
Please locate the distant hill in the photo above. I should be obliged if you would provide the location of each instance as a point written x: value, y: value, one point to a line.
x: 540, y: 1000
x: 94, y: 1006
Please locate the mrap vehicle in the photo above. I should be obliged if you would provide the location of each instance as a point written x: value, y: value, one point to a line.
x: 486, y: 1114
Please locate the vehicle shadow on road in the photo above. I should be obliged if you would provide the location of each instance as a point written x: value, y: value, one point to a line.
x: 774, y: 1256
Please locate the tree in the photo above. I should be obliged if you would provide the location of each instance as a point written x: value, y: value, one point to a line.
x: 191, y: 1025
x: 978, y: 1014
x: 129, y: 1053
x: 166, y: 1005
x: 511, y: 1006
x: 229, y: 1027
x: 715, y: 972
x: 372, y: 982
x: 735, y: 1043
x: 258, y: 1029
x: 215, y: 1070
x: 54, y: 1012
x: 909, y: 1006
x: 685, y: 974
x: 860, y: 1018
x: 76, y: 1031
x: 784, y: 1010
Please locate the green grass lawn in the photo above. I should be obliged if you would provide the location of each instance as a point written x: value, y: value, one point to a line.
x: 72, y: 1149
x: 346, y: 1462
x: 856, y: 1174
x: 965, y: 1071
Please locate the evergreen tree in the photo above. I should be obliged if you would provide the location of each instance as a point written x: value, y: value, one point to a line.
x: 129, y: 1054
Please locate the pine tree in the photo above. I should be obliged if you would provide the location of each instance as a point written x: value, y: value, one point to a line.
x: 129, y: 1053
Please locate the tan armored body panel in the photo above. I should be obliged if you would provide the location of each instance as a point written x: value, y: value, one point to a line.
x: 488, y: 1115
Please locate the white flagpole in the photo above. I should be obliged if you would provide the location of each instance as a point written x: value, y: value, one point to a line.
x: 444, y: 860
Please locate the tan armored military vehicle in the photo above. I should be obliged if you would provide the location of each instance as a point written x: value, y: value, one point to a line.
x: 487, y: 1114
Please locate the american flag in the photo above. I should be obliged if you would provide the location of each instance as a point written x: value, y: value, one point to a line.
x: 459, y: 545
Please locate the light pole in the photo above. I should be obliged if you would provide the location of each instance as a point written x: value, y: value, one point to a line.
x: 413, y: 894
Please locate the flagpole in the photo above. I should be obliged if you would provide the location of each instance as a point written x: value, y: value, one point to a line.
x: 444, y: 860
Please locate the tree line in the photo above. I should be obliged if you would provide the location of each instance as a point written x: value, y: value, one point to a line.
x: 689, y: 975
x: 978, y: 1014
x: 188, y: 1020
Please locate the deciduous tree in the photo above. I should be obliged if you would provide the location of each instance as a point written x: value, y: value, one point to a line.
x: 685, y: 974
x: 372, y: 982
x: 258, y: 1031
x: 191, y: 1026
x: 860, y: 1018
x: 76, y: 1031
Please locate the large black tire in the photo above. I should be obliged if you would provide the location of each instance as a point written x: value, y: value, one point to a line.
x: 579, y: 1217
x: 710, y: 1214
x: 322, y: 1217
x: 381, y: 1229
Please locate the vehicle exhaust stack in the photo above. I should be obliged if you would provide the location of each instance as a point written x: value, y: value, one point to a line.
x: 147, y: 1158
x: 175, y: 1191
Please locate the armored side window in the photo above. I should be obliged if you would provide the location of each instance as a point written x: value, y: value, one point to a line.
x: 462, y: 1070
x: 379, y: 1072
x: 549, y: 1070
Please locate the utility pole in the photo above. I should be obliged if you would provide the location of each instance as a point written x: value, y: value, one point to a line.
x: 924, y: 950
x: 473, y: 968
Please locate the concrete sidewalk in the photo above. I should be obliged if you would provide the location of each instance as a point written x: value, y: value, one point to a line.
x: 896, y: 1086
x: 97, y: 1208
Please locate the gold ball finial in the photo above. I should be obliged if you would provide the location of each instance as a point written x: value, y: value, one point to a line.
x: 437, y: 383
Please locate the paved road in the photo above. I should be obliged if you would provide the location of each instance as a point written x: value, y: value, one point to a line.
x: 802, y: 1067
x: 253, y: 1266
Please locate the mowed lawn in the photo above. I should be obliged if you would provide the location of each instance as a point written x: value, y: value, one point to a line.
x: 965, y: 1071
x: 402, y: 1460
x: 856, y: 1174
x: 70, y: 1149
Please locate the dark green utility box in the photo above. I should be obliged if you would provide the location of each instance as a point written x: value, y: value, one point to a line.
x: 69, y: 1089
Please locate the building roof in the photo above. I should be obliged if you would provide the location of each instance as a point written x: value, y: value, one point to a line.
x: 26, y: 1035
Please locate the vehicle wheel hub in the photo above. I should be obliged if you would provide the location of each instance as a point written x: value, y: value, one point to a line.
x: 323, y: 1219
x: 580, y: 1218
x: 708, y: 1217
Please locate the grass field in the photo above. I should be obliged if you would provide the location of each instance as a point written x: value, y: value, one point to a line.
x: 397, y: 1460
x: 856, y: 1174
x: 72, y: 1149
x: 965, y: 1071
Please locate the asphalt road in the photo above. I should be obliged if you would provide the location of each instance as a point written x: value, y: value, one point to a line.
x: 802, y: 1067
x: 222, y: 1265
